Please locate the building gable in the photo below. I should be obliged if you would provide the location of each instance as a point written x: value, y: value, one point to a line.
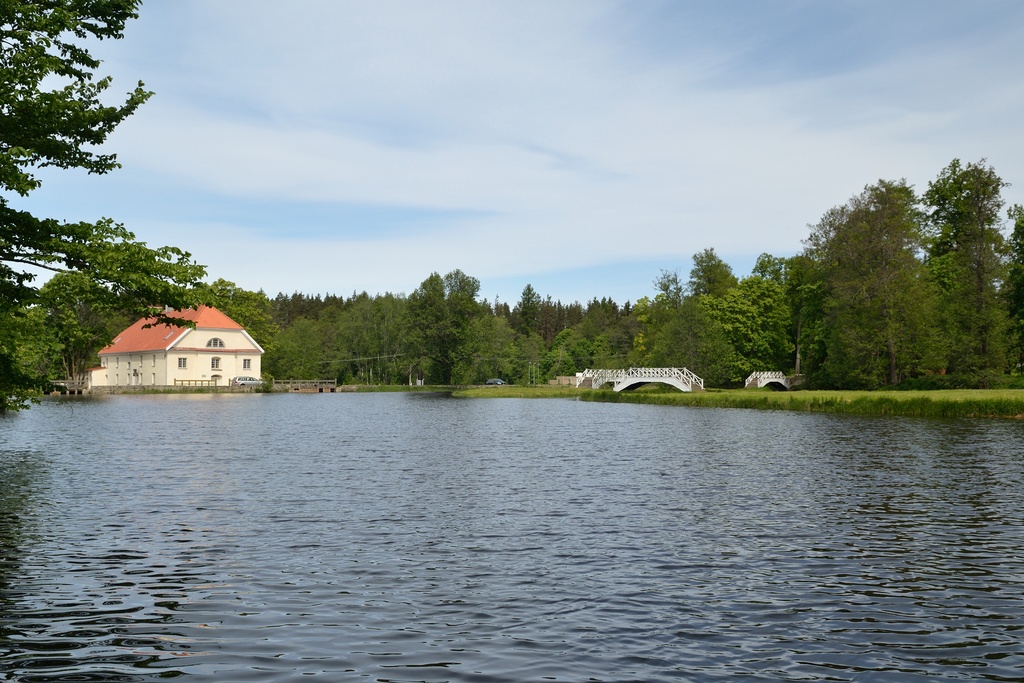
x: 146, y: 337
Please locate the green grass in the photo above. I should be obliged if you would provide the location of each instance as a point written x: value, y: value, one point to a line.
x: 944, y: 403
x: 518, y: 391
x: 1005, y: 403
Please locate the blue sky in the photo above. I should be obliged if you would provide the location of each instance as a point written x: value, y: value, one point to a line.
x: 334, y: 146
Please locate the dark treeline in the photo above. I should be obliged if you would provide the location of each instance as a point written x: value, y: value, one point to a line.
x: 892, y: 288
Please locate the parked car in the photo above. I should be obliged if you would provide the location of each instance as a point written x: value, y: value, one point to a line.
x: 246, y: 382
x: 495, y: 381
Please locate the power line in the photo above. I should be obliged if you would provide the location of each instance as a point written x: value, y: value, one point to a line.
x: 353, y: 360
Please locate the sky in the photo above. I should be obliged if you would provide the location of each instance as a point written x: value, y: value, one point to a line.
x: 580, y: 146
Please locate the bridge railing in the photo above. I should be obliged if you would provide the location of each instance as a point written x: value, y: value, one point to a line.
x: 600, y: 377
x: 762, y: 377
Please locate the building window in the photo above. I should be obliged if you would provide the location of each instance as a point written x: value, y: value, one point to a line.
x: 215, y: 363
x: 182, y: 363
x: 247, y: 364
x: 215, y: 343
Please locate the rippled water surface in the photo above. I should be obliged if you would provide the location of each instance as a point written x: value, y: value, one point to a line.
x: 413, y: 537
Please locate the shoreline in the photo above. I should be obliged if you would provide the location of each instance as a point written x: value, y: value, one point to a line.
x: 942, y: 403
x: 938, y: 403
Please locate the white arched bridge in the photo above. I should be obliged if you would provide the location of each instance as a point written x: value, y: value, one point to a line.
x: 775, y: 380
x: 680, y: 378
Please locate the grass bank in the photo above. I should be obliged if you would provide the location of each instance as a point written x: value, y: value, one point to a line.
x: 1004, y: 403
x: 1007, y: 403
x: 518, y: 391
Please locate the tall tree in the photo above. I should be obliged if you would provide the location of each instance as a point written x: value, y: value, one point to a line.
x: 804, y: 290
x: 441, y: 312
x: 527, y: 311
x: 770, y: 268
x: 879, y: 300
x: 52, y: 114
x: 710, y: 275
x: 966, y: 254
x: 1015, y: 286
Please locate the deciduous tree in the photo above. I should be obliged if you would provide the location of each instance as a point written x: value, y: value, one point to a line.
x: 755, y: 318
x: 251, y: 310
x: 879, y: 304
x: 1015, y: 286
x: 53, y: 114
x: 966, y: 254
x: 710, y: 275
x: 441, y: 313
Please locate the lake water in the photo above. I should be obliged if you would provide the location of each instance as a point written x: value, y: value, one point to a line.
x: 417, y: 537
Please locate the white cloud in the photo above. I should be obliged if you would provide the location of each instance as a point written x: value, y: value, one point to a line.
x: 554, y: 133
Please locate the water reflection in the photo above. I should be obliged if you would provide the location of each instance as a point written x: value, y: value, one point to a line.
x: 17, y: 489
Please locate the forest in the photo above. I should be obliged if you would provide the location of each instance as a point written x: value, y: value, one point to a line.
x: 891, y: 288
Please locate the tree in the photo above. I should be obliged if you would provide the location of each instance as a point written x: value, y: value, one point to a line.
x: 755, y: 318
x: 710, y: 275
x: 880, y: 303
x: 52, y: 115
x: 683, y: 335
x: 804, y: 291
x: 527, y: 311
x: 251, y: 310
x: 441, y: 313
x: 966, y: 255
x: 77, y: 322
x: 770, y: 268
x: 676, y: 330
x: 494, y: 352
x: 670, y: 287
x: 571, y: 353
x: 1015, y: 285
x: 302, y: 350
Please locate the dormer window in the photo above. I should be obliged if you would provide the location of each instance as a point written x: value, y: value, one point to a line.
x: 215, y: 343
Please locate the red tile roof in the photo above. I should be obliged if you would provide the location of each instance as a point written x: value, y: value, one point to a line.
x: 139, y: 338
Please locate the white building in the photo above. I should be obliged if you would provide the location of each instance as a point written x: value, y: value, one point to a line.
x: 209, y: 354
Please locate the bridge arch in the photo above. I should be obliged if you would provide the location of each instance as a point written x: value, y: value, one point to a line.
x: 633, y: 378
x: 771, y: 379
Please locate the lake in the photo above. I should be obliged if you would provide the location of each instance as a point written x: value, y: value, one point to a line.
x: 418, y: 537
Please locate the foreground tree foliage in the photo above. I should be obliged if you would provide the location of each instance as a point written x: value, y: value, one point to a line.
x: 52, y: 114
